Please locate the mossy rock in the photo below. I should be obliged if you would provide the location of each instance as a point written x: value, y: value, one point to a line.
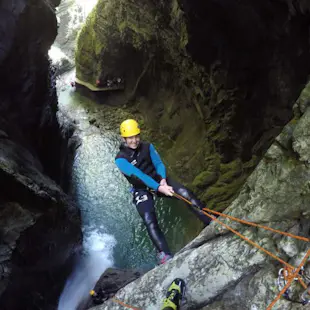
x: 304, y: 99
x: 230, y: 171
x: 251, y: 164
x: 210, y: 175
x: 204, y: 179
x: 220, y: 195
x: 234, y: 165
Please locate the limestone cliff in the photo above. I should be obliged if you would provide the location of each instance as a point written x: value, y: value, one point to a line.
x: 221, y: 270
x: 39, y: 225
x: 217, y: 79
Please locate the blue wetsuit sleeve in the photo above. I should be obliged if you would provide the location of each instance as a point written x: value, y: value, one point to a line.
x: 159, y: 166
x: 130, y: 170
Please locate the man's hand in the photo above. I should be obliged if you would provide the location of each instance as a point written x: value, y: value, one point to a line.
x: 166, y: 190
x: 163, y: 182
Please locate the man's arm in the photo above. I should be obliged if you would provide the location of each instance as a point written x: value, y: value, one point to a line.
x: 157, y: 162
x: 130, y: 170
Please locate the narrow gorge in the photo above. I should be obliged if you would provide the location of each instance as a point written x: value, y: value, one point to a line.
x: 221, y: 89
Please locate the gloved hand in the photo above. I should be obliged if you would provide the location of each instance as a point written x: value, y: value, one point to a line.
x: 166, y: 190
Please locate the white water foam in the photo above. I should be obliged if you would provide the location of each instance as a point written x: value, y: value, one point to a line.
x: 98, y: 248
x: 56, y: 55
x: 86, y: 5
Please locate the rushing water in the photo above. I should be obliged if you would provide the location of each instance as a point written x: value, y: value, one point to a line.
x: 113, y: 232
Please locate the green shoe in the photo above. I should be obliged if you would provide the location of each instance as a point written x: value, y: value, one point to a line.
x: 174, y: 295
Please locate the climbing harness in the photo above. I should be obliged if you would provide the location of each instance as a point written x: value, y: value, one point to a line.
x: 140, y: 198
x: 289, y: 272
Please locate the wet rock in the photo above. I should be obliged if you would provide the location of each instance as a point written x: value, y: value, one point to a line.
x: 39, y: 224
x: 28, y: 102
x: 92, y: 121
x: 252, y: 293
x: 111, y: 281
x: 39, y: 230
x: 301, y: 137
x: 70, y: 16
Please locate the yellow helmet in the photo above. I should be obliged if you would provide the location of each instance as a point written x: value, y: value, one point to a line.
x: 129, y: 128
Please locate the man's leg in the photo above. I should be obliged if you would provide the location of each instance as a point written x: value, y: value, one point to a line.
x: 144, y: 202
x: 187, y: 194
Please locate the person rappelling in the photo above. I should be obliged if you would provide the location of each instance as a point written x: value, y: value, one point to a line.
x: 141, y: 164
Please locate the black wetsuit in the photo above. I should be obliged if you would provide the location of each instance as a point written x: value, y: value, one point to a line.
x: 144, y: 169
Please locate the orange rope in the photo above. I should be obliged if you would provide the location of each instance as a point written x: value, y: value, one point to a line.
x: 247, y: 240
x: 246, y: 222
x: 258, y: 225
x: 287, y: 273
x: 289, y: 267
x: 124, y: 305
x: 289, y: 281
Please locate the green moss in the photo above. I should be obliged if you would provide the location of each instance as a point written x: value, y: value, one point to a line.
x: 230, y: 171
x: 251, y: 164
x: 220, y: 195
x: 235, y: 165
x: 178, y: 16
x: 205, y: 178
x: 145, y: 33
x: 88, y: 50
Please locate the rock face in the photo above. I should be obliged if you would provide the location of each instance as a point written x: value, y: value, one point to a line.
x: 111, y: 281
x: 28, y: 105
x: 70, y: 18
x: 39, y: 225
x: 40, y: 231
x: 216, y: 78
x: 221, y: 270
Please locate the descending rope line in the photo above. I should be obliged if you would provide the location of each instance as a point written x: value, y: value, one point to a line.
x: 246, y: 222
x: 292, y: 272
